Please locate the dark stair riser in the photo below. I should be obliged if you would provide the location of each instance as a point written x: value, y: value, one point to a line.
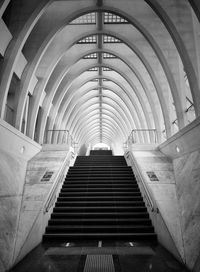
x: 101, y: 209
x: 100, y: 169
x: 106, y: 205
x: 109, y: 194
x: 100, y: 177
x: 99, y: 229
x: 135, y: 189
x: 102, y: 215
x: 102, y: 194
x: 99, y: 221
x: 98, y: 204
x: 151, y: 237
x: 100, y: 199
x: 91, y: 175
x: 99, y: 185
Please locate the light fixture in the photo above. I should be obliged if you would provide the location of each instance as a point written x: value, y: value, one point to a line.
x: 178, y: 149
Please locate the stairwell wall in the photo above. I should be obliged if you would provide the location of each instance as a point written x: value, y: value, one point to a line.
x: 181, y: 202
x: 184, y: 150
x: 15, y: 152
x: 44, y: 171
x: 23, y: 163
x: 165, y: 215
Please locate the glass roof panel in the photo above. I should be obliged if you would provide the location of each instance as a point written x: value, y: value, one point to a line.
x: 110, y: 18
x: 91, y: 56
x: 93, y: 69
x: 110, y: 39
x: 108, y: 56
x: 89, y: 39
x: 89, y: 18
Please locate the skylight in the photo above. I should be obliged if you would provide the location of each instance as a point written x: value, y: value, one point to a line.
x: 107, y: 69
x: 108, y: 56
x: 85, y: 19
x: 110, y: 39
x: 110, y: 18
x: 91, y: 56
x: 93, y: 69
x: 89, y: 39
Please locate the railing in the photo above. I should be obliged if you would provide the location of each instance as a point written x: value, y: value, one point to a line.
x: 151, y: 203
x: 58, y: 179
x: 147, y: 195
x: 145, y: 136
x: 56, y: 136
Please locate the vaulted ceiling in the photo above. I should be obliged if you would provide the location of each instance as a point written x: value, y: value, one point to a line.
x: 100, y: 69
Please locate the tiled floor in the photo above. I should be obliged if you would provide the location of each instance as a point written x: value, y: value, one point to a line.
x: 122, y: 256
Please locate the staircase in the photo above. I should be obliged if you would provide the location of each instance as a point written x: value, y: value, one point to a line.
x: 100, y: 200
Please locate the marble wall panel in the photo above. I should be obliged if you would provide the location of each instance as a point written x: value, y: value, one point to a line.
x: 33, y: 237
x: 43, y: 164
x: 163, y: 191
x: 15, y: 151
x: 26, y: 222
x: 187, y: 173
x: 2, y: 267
x: 36, y: 192
x: 166, y: 199
x: 12, y: 174
x: 9, y: 212
x: 165, y: 176
x: 34, y: 177
x: 34, y: 197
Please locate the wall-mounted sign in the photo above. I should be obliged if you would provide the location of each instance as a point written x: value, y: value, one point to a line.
x: 47, y: 176
x: 152, y: 176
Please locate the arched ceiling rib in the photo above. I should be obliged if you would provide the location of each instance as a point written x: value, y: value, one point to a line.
x: 103, y: 78
x: 108, y: 113
x: 94, y: 121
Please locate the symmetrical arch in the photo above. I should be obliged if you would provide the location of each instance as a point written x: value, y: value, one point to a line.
x: 100, y: 79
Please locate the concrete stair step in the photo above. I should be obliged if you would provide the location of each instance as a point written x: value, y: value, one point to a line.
x: 100, y: 221
x: 99, y: 203
x: 97, y: 198
x: 100, y: 228
x: 100, y: 177
x: 132, y: 193
x: 96, y: 190
x: 99, y: 194
x: 100, y: 209
x: 100, y: 199
x: 103, y: 215
x: 100, y: 236
x: 99, y: 182
x: 99, y: 185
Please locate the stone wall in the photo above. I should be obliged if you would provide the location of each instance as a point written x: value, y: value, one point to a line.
x: 187, y: 173
x: 184, y: 150
x: 41, y: 175
x: 24, y: 191
x: 15, y: 151
x: 158, y: 175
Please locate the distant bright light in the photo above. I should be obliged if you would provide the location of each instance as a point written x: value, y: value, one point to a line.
x: 101, y: 145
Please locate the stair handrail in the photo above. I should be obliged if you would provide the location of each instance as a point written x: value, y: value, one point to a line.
x: 151, y: 203
x: 132, y: 139
x: 147, y: 193
x: 58, y: 178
